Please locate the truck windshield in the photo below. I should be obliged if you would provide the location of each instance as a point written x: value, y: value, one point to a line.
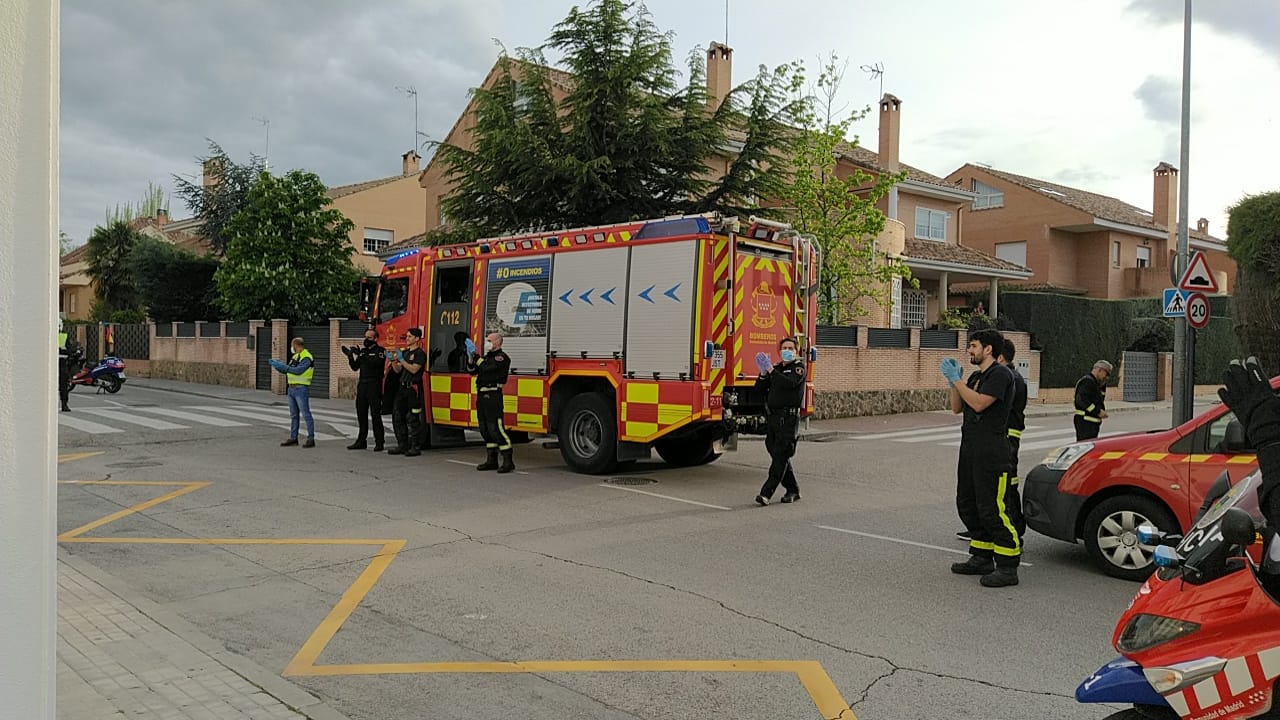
x: 393, y: 299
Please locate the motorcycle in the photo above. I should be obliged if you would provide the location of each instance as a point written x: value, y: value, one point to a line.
x: 107, y: 375
x: 1201, y: 639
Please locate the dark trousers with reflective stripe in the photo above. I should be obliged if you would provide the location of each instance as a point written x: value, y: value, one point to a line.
x: 369, y: 404
x: 982, y: 486
x: 1013, y: 497
x: 489, y: 413
x: 406, y: 418
x: 1087, y: 429
x: 780, y: 442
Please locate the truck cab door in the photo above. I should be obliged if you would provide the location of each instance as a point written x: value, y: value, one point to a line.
x: 449, y: 319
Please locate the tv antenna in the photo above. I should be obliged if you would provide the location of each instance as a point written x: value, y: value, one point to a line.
x: 875, y: 71
x: 412, y: 91
x: 266, y: 124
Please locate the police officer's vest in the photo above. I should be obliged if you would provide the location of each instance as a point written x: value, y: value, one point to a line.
x: 304, y: 377
x: 62, y: 341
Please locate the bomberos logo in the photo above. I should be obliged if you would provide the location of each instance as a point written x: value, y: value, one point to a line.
x: 763, y: 304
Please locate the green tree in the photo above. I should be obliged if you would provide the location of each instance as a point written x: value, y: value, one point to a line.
x: 107, y: 261
x: 839, y: 209
x: 64, y: 243
x: 288, y: 254
x: 625, y: 142
x: 217, y: 203
x: 174, y: 284
x: 1253, y: 241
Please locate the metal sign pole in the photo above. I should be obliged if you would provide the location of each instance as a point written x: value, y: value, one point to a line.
x: 1183, y: 341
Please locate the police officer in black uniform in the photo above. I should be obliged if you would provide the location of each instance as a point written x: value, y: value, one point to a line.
x: 69, y: 357
x: 1091, y: 401
x: 369, y: 361
x: 406, y: 418
x: 491, y: 373
x: 982, y: 474
x: 784, y: 387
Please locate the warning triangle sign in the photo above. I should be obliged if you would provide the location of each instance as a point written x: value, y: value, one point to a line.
x: 1177, y: 305
x: 1197, y: 277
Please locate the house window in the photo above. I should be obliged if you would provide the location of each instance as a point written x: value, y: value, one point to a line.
x: 1144, y: 257
x: 375, y: 241
x: 931, y: 224
x: 71, y: 296
x: 988, y: 196
x: 914, y: 303
x: 1115, y: 253
x: 1014, y: 252
x: 895, y: 309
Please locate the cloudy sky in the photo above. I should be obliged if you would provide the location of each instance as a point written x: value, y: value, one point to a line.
x: 1085, y: 92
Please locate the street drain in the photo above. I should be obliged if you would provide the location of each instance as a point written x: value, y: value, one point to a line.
x: 626, y: 480
x: 134, y: 464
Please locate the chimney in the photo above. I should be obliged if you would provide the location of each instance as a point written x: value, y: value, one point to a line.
x: 890, y: 131
x: 1164, y: 204
x: 162, y: 217
x: 1202, y: 225
x: 409, y: 163
x: 212, y: 172
x: 719, y: 73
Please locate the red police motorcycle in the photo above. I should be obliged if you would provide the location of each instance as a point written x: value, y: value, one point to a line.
x: 1201, y: 640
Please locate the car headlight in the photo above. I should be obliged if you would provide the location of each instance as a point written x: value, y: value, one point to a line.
x: 1146, y: 631
x: 1064, y: 457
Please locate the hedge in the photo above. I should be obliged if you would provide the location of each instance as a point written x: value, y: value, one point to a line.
x: 1073, y: 332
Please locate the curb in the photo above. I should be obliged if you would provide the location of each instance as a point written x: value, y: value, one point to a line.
x: 271, y: 683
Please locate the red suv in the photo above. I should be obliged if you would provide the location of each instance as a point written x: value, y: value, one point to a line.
x: 1100, y: 491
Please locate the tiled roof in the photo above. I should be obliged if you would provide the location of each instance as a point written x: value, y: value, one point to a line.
x: 1101, y: 206
x: 408, y: 243
x: 871, y: 161
x: 958, y: 254
x: 344, y: 190
x: 75, y: 255
x: 1014, y: 286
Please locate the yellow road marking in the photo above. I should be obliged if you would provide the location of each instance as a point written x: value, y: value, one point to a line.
x: 826, y: 697
x: 77, y: 456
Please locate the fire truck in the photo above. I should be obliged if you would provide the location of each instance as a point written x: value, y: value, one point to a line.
x: 623, y: 338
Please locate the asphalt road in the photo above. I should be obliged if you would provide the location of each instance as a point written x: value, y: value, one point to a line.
x: 733, y: 610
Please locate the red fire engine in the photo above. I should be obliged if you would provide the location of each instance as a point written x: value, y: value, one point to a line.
x: 623, y: 338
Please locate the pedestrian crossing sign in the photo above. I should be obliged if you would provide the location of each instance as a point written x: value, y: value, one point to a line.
x: 1175, y: 302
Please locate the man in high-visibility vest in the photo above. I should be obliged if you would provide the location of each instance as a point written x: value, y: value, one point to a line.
x: 68, y: 353
x: 298, y: 372
x: 1090, y: 401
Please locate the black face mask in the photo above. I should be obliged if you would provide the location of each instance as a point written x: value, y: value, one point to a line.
x: 370, y: 343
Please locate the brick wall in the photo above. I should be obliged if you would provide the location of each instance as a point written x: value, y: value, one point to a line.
x: 208, y: 358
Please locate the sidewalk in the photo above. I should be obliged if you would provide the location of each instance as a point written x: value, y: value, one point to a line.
x: 122, y: 656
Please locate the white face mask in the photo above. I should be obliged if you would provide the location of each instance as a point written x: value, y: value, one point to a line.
x: 488, y: 346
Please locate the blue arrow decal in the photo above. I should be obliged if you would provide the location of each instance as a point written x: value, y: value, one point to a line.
x: 645, y: 294
x: 586, y: 296
x: 672, y: 292
x: 605, y: 295
x: 565, y: 298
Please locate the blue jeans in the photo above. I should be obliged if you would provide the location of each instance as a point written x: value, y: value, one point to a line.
x: 300, y: 402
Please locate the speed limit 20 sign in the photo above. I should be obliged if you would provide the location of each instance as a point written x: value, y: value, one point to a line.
x: 1197, y: 310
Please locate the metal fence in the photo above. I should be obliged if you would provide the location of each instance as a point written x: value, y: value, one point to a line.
x: 888, y: 338
x: 91, y: 343
x: 237, y: 329
x: 187, y: 329
x: 939, y: 339
x: 837, y: 336
x: 132, y: 341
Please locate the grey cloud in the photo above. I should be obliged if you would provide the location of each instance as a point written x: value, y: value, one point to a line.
x: 1161, y: 99
x: 1083, y: 177
x: 144, y: 83
x: 1254, y: 20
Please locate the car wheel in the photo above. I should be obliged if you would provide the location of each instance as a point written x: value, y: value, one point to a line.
x: 1111, y: 535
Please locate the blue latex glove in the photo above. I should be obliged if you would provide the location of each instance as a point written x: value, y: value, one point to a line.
x: 471, y: 347
x: 277, y: 365
x: 951, y: 370
x: 763, y: 362
x: 400, y: 355
x: 388, y: 355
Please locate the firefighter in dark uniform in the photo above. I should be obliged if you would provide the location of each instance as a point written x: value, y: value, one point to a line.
x: 982, y: 474
x: 1017, y: 423
x: 371, y: 364
x: 491, y: 373
x: 406, y: 418
x: 1091, y: 401
x: 784, y: 387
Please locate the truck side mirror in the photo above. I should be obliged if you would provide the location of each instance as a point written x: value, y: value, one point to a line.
x: 1234, y: 440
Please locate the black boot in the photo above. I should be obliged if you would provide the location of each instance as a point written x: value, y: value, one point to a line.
x: 413, y: 451
x: 974, y: 566
x: 397, y: 450
x: 490, y: 460
x: 357, y: 445
x: 66, y: 409
x: 508, y: 462
x: 1002, y: 577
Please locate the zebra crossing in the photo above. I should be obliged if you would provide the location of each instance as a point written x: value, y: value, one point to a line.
x: 1034, y: 437
x: 99, y: 420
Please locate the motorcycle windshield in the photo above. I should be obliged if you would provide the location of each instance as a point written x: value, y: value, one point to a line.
x: 1243, y: 495
x: 1202, y: 551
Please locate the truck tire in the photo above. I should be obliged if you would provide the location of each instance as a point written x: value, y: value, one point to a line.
x: 1110, y: 535
x: 688, y: 451
x: 588, y: 434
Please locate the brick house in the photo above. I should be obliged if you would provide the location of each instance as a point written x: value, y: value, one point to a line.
x: 1081, y: 242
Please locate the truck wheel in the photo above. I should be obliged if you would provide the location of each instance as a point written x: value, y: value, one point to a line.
x: 696, y: 449
x: 1111, y: 535
x: 588, y: 434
